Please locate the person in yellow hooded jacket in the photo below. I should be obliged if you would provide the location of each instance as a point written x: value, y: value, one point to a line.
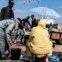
x: 39, y: 43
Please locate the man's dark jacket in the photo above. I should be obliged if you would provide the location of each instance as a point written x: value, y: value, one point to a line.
x: 6, y: 14
x: 34, y: 23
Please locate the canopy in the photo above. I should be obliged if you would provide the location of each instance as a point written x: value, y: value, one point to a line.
x: 45, y: 12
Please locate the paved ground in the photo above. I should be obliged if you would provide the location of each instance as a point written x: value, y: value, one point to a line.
x: 11, y: 61
x: 8, y: 61
x: 58, y: 48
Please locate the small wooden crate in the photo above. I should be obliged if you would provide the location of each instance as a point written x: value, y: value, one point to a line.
x: 55, y: 35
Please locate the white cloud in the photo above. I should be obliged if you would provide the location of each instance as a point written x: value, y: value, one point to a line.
x: 60, y: 7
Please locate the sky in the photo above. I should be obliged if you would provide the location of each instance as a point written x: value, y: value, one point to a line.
x: 21, y: 8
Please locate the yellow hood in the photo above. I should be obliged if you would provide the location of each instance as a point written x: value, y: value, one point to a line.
x: 42, y: 23
x: 39, y: 42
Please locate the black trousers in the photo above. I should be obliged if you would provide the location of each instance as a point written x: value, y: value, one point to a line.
x: 25, y: 39
x: 43, y: 59
x: 0, y: 55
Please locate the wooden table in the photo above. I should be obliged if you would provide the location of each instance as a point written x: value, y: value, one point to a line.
x: 57, y: 50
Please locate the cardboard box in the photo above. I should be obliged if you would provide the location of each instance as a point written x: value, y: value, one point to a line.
x: 55, y: 35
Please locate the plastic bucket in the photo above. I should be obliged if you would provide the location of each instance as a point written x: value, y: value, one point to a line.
x: 15, y: 53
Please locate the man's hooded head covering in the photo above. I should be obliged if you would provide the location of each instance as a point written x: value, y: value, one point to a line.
x: 42, y: 23
x: 11, y: 2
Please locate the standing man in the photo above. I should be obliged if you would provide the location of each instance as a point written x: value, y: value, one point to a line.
x: 7, y: 12
x: 34, y: 23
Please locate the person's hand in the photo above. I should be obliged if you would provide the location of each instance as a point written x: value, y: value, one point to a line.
x: 10, y: 43
x: 13, y: 42
x: 47, y: 58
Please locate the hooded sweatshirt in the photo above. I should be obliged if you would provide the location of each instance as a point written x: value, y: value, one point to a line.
x: 39, y: 43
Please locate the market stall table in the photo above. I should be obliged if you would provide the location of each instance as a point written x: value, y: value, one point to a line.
x: 58, y: 49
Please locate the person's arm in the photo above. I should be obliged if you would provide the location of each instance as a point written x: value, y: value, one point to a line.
x: 12, y: 14
x: 35, y: 22
x: 2, y: 13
